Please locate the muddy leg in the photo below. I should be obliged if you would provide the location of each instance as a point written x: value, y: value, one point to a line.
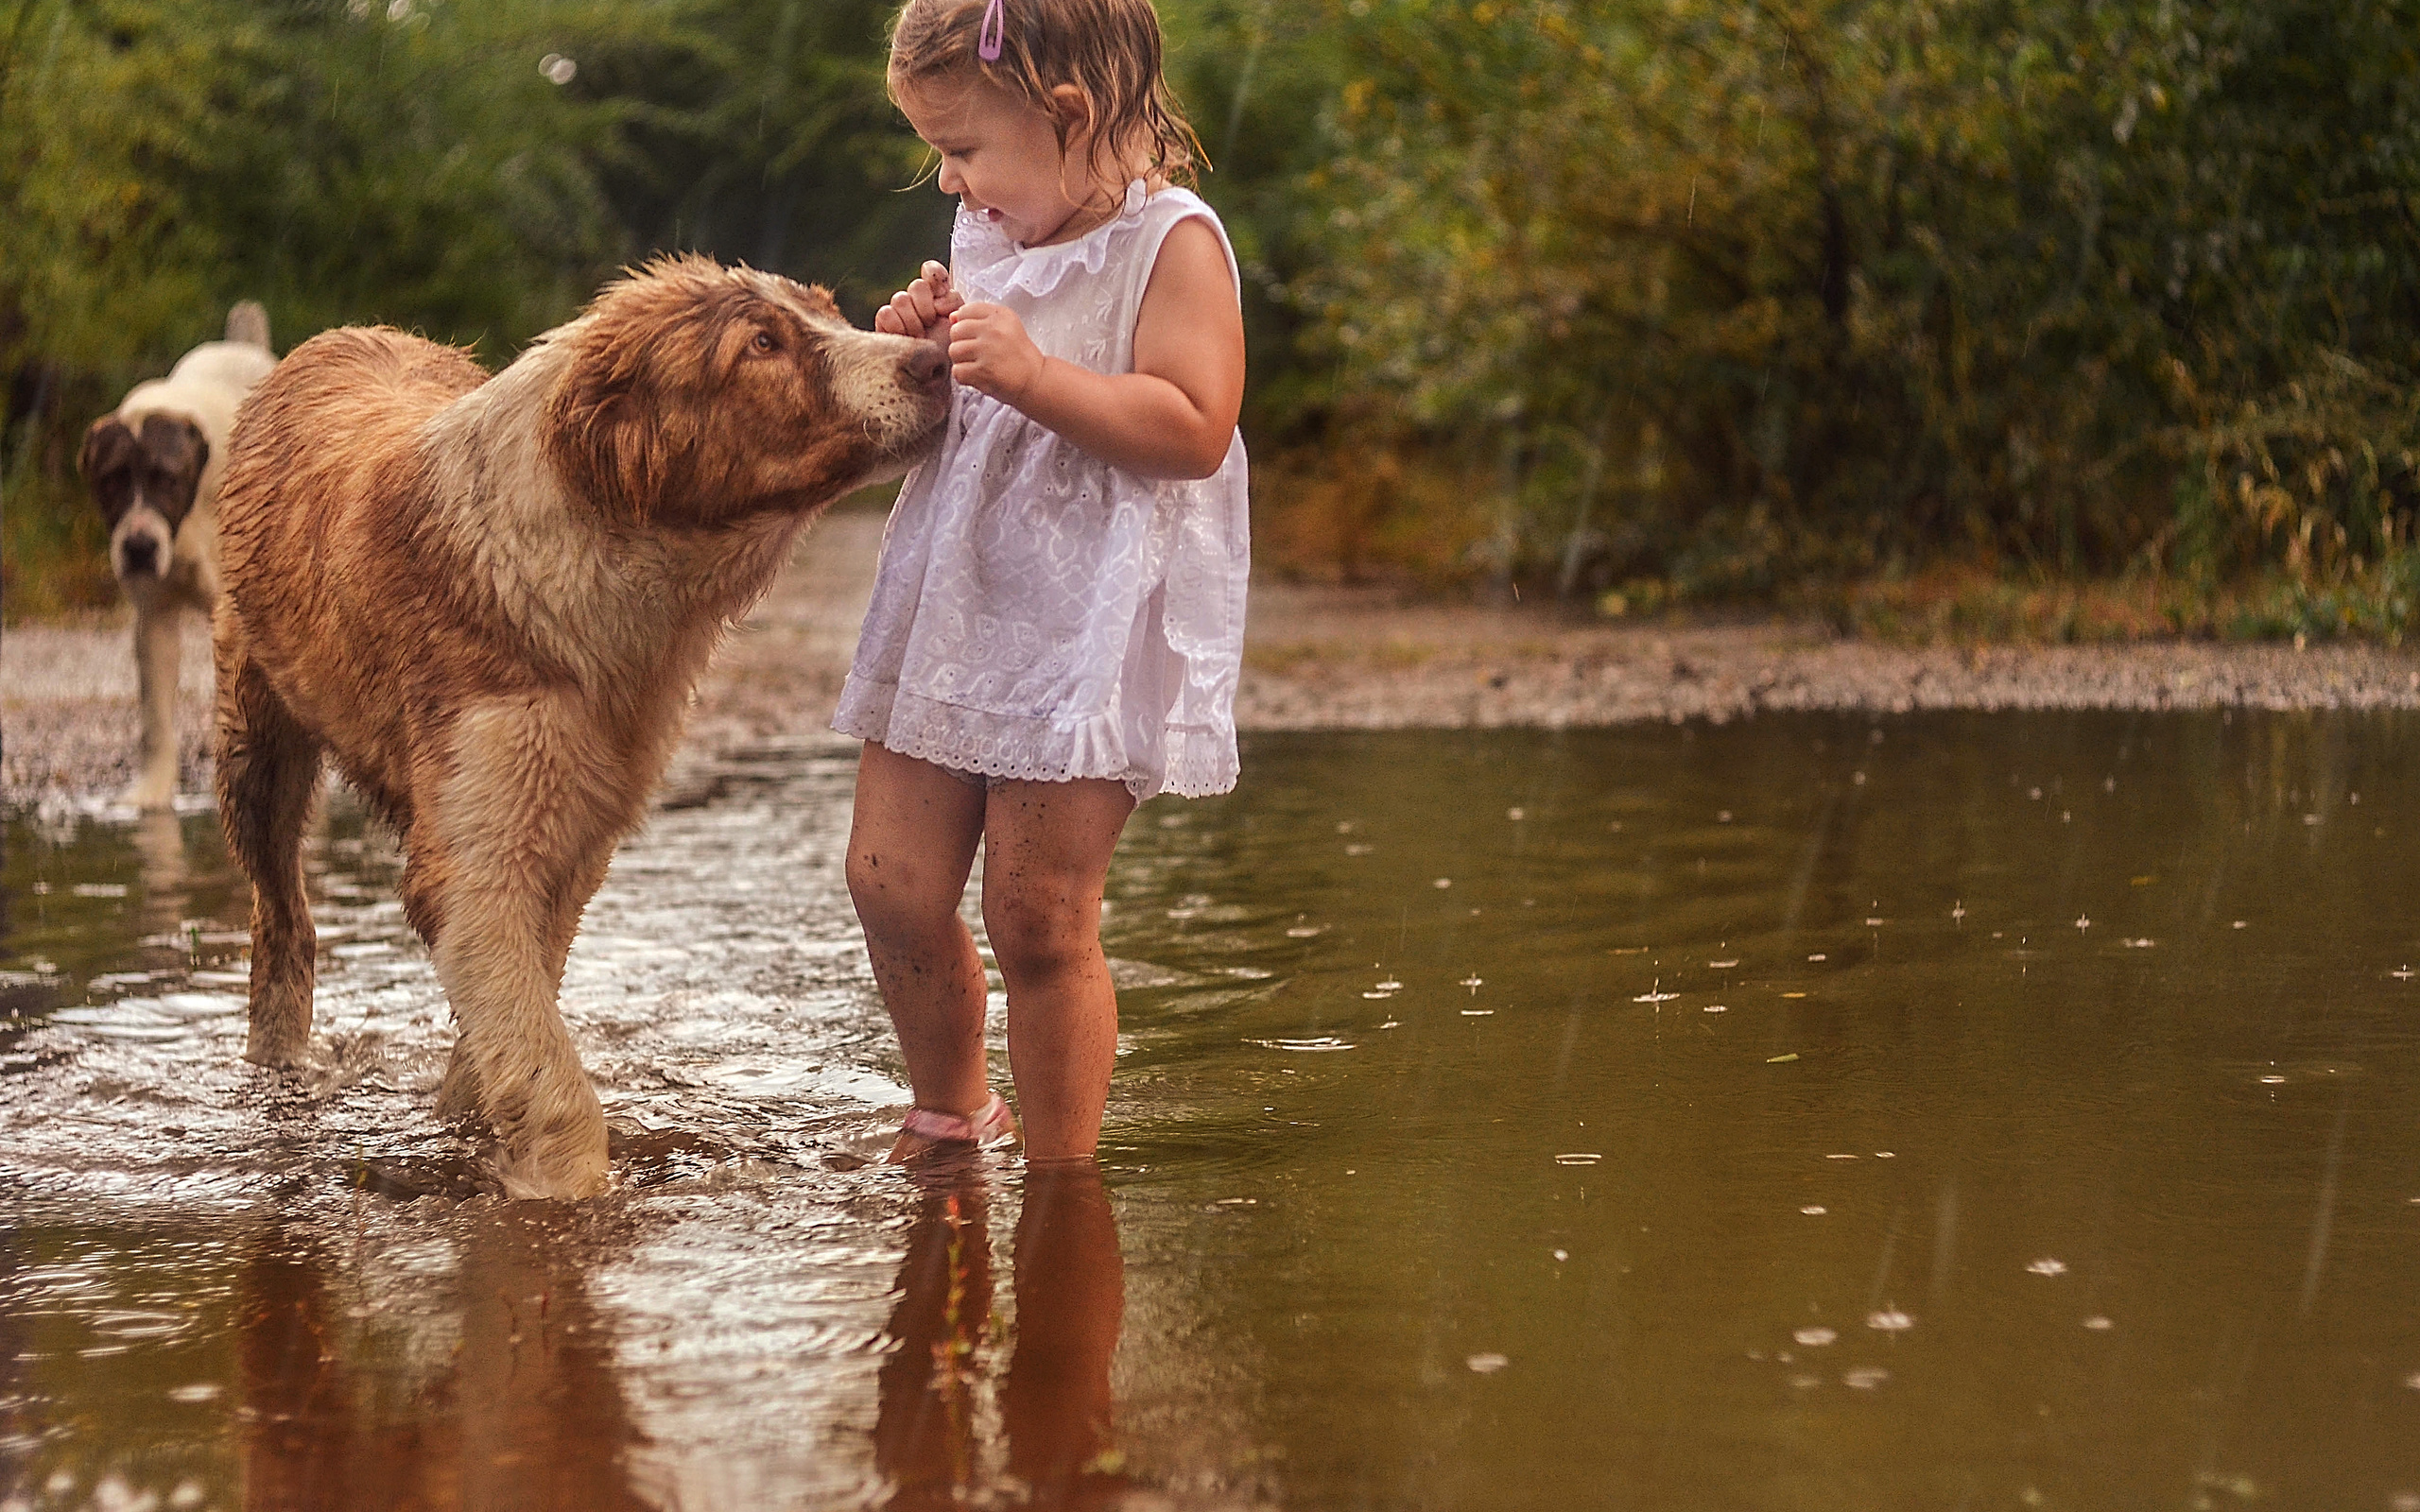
x: 513, y: 835
x: 458, y: 1095
x: 269, y: 772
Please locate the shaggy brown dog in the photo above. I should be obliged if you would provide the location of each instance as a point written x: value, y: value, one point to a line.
x: 486, y: 599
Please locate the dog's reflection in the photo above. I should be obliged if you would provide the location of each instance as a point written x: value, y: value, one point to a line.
x: 527, y: 1414
x: 1054, y: 1406
x: 167, y: 873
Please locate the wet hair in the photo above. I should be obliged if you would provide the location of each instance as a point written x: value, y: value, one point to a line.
x: 1108, y: 50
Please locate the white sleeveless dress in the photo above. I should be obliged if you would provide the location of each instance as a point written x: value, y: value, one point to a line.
x: 1039, y: 614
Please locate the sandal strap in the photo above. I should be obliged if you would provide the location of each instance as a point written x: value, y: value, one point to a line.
x: 992, y: 1126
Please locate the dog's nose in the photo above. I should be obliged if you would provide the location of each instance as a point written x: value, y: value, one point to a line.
x: 142, y: 554
x: 928, y: 364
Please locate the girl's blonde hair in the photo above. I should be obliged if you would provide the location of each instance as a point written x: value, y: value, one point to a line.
x: 1109, y: 49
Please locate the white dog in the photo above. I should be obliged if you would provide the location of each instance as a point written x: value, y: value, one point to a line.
x: 153, y: 469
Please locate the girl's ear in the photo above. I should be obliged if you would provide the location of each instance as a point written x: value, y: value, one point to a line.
x: 1073, y: 107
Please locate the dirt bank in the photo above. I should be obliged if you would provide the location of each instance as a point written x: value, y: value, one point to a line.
x: 1317, y: 657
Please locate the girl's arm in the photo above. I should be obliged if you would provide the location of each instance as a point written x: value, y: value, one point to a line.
x: 1174, y: 416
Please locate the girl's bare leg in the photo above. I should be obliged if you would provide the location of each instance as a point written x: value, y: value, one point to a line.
x: 1046, y: 855
x: 911, y: 843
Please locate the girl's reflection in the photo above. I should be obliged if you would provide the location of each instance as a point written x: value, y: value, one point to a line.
x: 930, y: 1437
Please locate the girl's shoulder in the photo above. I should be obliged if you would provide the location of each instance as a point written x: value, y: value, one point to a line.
x: 990, y: 260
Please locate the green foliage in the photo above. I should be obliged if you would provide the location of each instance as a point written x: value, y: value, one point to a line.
x: 470, y: 170
x: 1692, y: 298
x: 1737, y: 293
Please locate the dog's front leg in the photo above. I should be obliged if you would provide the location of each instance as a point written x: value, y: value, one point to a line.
x: 159, y: 634
x: 502, y: 862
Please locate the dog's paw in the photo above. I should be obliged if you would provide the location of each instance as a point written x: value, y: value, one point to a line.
x: 565, y: 1172
x: 281, y: 1052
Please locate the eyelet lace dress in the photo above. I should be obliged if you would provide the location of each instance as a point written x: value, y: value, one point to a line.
x: 1042, y: 614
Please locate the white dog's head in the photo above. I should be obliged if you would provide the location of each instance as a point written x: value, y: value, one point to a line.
x: 144, y: 478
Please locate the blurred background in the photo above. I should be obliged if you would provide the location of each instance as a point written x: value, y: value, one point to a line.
x: 1899, y: 311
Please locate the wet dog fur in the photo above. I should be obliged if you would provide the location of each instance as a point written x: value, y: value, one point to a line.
x: 487, y: 600
x: 153, y: 467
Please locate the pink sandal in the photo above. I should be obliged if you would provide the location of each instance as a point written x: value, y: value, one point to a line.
x: 988, y: 1129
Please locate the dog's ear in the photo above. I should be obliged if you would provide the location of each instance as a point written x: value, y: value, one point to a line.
x: 611, y: 453
x: 106, y: 460
x: 623, y: 424
x: 179, y: 452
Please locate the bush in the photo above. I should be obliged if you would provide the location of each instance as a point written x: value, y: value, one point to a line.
x: 1749, y: 294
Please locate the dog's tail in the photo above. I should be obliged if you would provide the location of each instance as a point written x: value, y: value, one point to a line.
x: 249, y: 323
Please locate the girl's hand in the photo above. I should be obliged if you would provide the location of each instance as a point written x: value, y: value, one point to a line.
x: 923, y: 308
x: 990, y: 353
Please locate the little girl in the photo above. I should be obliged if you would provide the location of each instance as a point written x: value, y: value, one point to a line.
x: 1058, y: 619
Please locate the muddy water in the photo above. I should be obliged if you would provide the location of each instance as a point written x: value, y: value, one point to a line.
x: 1951, y: 1111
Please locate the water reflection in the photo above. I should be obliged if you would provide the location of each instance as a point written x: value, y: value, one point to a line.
x: 524, y: 1411
x: 1054, y: 1408
x: 2052, y: 1146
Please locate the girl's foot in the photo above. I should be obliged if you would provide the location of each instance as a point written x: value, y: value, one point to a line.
x: 928, y: 1131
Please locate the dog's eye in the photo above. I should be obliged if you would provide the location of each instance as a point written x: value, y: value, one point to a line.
x: 764, y: 341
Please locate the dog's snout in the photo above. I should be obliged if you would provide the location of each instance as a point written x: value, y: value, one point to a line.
x: 928, y: 364
x: 142, y: 555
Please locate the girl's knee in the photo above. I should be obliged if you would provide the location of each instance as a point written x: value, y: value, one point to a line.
x: 1035, y: 942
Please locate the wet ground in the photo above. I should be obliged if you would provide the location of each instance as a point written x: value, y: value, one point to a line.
x: 1948, y: 1111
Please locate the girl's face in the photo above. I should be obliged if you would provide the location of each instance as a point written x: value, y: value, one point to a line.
x: 1000, y: 157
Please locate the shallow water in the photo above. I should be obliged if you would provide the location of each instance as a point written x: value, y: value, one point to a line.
x: 2053, y: 1145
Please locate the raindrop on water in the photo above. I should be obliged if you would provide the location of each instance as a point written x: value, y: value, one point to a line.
x: 1890, y: 1320
x: 1563, y: 1254
x: 1487, y: 1365
x: 1814, y: 1338
x: 2098, y: 1325
x: 1868, y: 1378
x: 1816, y: 1212
x: 2046, y: 1267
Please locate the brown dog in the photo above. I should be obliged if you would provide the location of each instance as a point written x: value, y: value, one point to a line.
x: 488, y: 598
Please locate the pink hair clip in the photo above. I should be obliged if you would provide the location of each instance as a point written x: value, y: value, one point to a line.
x: 990, y: 34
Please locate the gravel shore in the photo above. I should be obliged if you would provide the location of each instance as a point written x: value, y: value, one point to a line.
x: 1316, y: 658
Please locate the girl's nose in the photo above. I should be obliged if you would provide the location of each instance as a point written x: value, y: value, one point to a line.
x: 948, y: 182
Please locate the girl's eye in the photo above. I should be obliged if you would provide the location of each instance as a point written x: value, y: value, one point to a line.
x: 764, y: 341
